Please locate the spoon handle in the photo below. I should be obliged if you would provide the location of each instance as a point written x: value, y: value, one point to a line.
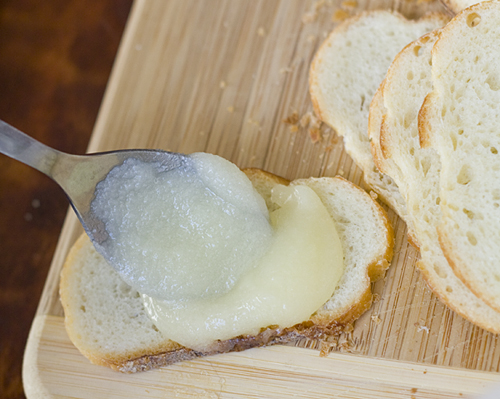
x: 27, y: 150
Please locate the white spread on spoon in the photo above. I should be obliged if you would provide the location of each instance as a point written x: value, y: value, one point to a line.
x: 189, y: 232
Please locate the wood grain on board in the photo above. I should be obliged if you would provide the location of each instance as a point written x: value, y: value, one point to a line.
x: 228, y: 77
x: 55, y: 61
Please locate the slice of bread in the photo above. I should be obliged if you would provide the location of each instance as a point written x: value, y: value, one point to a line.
x: 106, y: 321
x: 460, y: 119
x: 344, y: 76
x: 396, y: 147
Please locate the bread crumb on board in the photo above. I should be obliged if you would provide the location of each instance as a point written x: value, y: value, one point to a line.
x: 423, y: 328
x: 292, y: 119
x: 316, y: 129
x: 376, y: 319
x: 340, y: 15
x: 340, y: 343
x: 315, y: 134
x: 349, y: 4
x: 326, y: 6
x: 346, y: 9
x: 305, y: 120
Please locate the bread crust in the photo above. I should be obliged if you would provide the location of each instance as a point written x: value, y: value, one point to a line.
x: 320, y: 325
x: 375, y: 121
x: 424, y: 117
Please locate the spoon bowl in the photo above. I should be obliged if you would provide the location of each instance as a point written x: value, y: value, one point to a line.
x: 78, y: 175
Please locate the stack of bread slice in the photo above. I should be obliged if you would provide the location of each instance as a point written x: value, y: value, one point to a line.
x: 345, y: 74
x: 433, y: 129
x: 107, y: 321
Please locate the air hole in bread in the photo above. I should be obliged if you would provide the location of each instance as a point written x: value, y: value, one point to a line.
x: 453, y: 141
x: 465, y: 175
x: 412, y: 151
x: 409, y: 75
x: 82, y: 308
x: 438, y: 200
x: 440, y: 272
x: 460, y: 132
x: 425, y: 39
x: 443, y: 112
x: 469, y: 214
x: 493, y: 150
x: 449, y: 289
x: 493, y: 82
x: 363, y: 99
x: 472, y: 238
x: 408, y: 121
x: 476, y: 59
x: 426, y: 165
x: 473, y: 20
x: 416, y: 50
x: 496, y: 194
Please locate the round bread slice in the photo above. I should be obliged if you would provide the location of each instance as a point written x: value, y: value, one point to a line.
x: 344, y: 76
x: 106, y: 321
x: 416, y: 171
x: 460, y: 119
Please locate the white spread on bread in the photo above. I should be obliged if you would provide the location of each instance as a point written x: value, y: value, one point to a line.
x: 295, y: 277
x: 199, y: 244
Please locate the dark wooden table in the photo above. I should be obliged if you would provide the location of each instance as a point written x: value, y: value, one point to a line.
x: 55, y: 61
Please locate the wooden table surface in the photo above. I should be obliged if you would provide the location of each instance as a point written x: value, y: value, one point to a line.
x: 55, y: 61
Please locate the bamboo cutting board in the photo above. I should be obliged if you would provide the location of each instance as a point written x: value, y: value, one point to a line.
x: 224, y: 77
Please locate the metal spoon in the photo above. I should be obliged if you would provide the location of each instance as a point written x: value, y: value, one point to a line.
x: 78, y: 175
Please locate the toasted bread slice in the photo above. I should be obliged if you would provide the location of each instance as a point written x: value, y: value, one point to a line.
x: 416, y: 171
x: 460, y: 120
x: 106, y: 321
x: 345, y: 74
